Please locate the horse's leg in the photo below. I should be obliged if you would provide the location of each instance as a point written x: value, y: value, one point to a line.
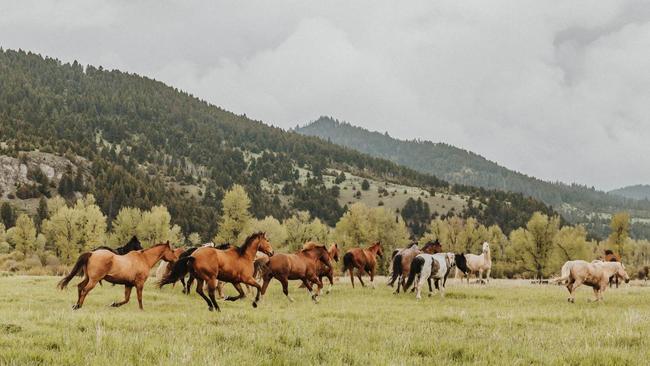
x: 212, y: 286
x: 399, y: 283
x: 372, y: 277
x: 352, y: 276
x: 138, y: 291
x: 309, y: 287
x: 572, y: 286
x: 418, y: 287
x: 199, y: 290
x: 360, y: 273
x: 430, y: 288
x: 240, y: 290
x: 487, y: 275
x: 480, y: 276
x: 90, y: 284
x: 330, y: 278
x: 220, y: 293
x: 81, y: 286
x: 127, y: 296
x: 190, y: 281
x: 183, y: 283
x: 251, y: 282
x: 285, y: 287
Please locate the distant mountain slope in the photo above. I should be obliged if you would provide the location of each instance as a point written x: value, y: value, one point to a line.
x: 635, y: 192
x: 576, y: 202
x: 146, y: 143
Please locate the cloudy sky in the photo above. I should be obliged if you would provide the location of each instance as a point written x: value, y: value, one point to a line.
x: 555, y: 89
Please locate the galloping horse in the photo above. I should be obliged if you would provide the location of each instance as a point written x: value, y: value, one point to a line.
x: 133, y: 244
x: 234, y: 265
x: 364, y: 260
x: 303, y: 265
x: 131, y: 269
x: 402, y: 261
x: 595, y: 274
x: 165, y: 267
x: 479, y: 263
x: 323, y: 270
x: 430, y: 266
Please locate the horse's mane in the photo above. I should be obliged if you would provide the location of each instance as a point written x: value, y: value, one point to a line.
x: 311, y: 245
x: 609, y: 252
x: 374, y: 245
x: 241, y: 250
x: 224, y: 246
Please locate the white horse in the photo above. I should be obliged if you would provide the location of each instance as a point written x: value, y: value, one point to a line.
x: 479, y: 264
x: 430, y: 266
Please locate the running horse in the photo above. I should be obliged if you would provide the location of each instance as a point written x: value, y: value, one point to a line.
x: 130, y: 270
x: 364, y: 260
x: 595, y: 274
x: 402, y: 261
x: 305, y: 265
x: 323, y: 270
x: 211, y: 265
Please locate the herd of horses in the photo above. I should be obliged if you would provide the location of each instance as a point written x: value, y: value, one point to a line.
x: 211, y: 266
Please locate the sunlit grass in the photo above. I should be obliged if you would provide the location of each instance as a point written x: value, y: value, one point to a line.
x: 496, y: 324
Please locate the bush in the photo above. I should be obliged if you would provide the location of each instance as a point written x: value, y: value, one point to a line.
x: 365, y: 185
x: 5, y: 248
x: 33, y: 262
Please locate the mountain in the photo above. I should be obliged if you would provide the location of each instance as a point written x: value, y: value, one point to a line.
x: 577, y: 203
x: 133, y: 141
x: 635, y: 192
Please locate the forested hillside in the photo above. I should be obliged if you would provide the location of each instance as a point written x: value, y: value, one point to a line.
x: 577, y: 203
x: 136, y: 142
x: 636, y: 192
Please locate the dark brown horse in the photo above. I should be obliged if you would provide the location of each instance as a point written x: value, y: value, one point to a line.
x: 303, y: 265
x: 402, y: 261
x: 323, y: 270
x: 610, y: 256
x: 210, y: 265
x: 130, y: 270
x: 364, y: 260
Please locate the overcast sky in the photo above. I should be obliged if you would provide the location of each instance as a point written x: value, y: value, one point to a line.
x: 555, y: 89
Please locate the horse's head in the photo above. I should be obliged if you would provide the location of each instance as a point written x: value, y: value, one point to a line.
x: 334, y: 252
x: 168, y: 254
x: 621, y: 273
x: 263, y: 244
x: 486, y: 247
x: 134, y: 244
x: 378, y: 250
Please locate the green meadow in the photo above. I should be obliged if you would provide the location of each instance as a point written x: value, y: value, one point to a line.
x: 503, y: 323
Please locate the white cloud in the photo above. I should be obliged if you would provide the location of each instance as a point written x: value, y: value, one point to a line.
x: 554, y: 89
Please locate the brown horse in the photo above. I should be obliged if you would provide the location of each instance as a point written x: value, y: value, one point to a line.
x: 131, y: 269
x: 303, y: 265
x: 323, y: 270
x: 610, y: 256
x: 402, y: 261
x: 210, y: 265
x: 364, y: 260
x: 165, y: 267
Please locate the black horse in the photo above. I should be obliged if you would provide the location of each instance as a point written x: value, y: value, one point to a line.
x: 133, y: 244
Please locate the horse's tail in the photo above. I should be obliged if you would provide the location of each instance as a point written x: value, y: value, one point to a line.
x: 178, y: 271
x: 348, y: 259
x: 260, y: 267
x: 564, y: 274
x: 416, y: 269
x: 397, y: 269
x: 78, y: 267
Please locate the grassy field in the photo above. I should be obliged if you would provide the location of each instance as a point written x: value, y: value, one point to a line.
x: 505, y: 323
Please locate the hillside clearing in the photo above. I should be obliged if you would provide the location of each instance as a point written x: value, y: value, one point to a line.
x: 507, y: 322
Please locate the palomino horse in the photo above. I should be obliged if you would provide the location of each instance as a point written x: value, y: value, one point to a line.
x: 364, y: 260
x: 402, y: 261
x: 303, y: 265
x: 430, y: 266
x: 479, y: 264
x: 595, y: 274
x: 323, y: 270
x: 131, y: 269
x: 210, y: 265
x: 133, y: 244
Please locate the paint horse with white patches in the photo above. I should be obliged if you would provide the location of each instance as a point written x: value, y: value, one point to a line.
x: 478, y: 264
x: 426, y: 267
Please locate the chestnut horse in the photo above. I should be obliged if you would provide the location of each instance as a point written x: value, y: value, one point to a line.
x: 324, y: 271
x: 210, y: 265
x: 402, y: 261
x: 364, y: 260
x: 131, y: 269
x: 303, y: 265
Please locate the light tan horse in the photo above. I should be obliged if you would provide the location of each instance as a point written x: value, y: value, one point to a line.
x: 595, y: 274
x: 130, y: 270
x: 478, y: 264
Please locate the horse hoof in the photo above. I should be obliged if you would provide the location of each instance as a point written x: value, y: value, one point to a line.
x: 75, y: 307
x: 113, y: 304
x: 211, y: 309
x: 430, y: 295
x: 255, y: 305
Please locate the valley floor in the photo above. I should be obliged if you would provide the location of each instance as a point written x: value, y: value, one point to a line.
x: 504, y: 323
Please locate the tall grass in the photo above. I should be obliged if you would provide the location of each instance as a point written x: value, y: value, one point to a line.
x: 497, y: 324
